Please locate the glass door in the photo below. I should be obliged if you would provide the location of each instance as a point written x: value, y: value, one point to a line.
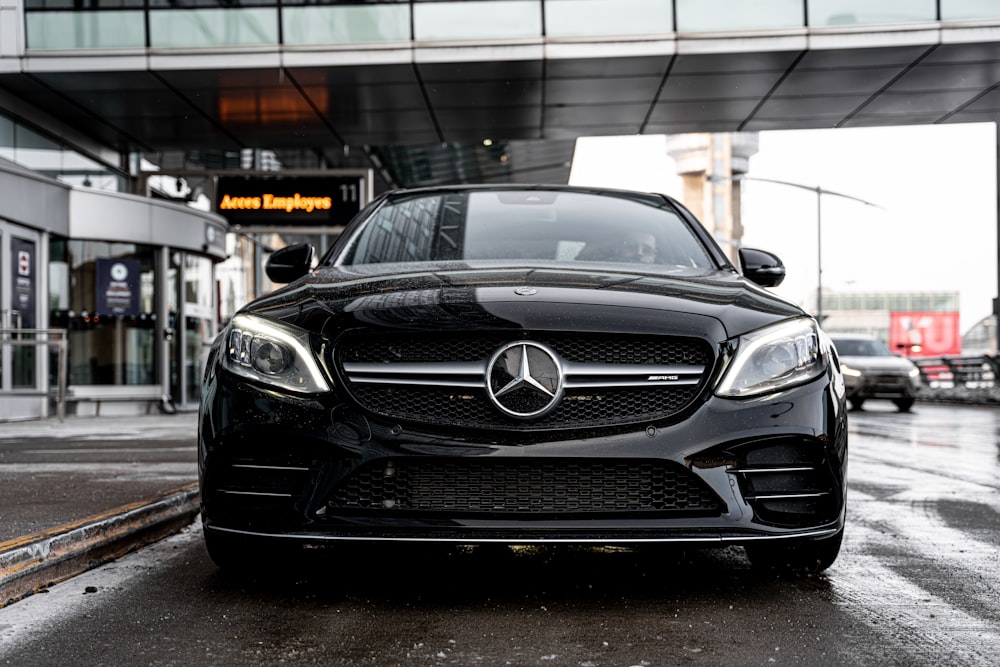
x: 192, y: 325
x: 199, y: 322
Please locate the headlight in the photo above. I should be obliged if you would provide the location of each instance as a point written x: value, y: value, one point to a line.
x: 273, y: 354
x: 773, y: 358
x: 852, y: 372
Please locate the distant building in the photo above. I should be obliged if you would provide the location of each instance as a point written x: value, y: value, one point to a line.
x: 981, y: 338
x: 911, y: 323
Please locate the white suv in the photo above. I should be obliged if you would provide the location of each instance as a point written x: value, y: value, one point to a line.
x: 872, y: 371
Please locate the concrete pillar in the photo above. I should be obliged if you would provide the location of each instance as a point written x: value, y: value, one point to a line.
x: 710, y: 166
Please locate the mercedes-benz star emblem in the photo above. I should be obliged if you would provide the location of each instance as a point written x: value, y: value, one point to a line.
x: 525, y: 380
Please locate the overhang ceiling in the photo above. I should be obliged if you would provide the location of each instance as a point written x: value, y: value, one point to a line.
x: 407, y: 114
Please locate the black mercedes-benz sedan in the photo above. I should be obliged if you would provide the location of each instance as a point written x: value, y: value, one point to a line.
x: 523, y: 365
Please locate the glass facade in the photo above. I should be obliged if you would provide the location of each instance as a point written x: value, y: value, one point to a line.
x: 122, y: 24
x: 109, y: 343
x: 114, y: 331
x: 936, y: 302
x: 53, y: 158
x: 870, y: 312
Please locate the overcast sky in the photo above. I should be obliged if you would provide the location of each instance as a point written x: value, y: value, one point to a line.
x: 934, y: 229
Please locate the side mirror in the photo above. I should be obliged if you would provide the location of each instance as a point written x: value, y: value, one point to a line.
x: 762, y: 267
x: 289, y: 263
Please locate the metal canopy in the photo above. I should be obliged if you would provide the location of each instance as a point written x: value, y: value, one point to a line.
x: 406, y: 116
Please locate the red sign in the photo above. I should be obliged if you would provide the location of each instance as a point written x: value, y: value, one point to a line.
x: 924, y: 334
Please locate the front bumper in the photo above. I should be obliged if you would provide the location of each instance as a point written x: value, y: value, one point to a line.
x: 881, y: 385
x: 732, y: 471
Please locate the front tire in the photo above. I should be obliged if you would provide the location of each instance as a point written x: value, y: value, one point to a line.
x: 808, y: 556
x: 904, y: 404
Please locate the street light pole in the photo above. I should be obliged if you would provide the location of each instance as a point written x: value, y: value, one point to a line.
x: 819, y: 191
x: 819, y: 254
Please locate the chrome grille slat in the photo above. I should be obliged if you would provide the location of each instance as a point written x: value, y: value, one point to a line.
x: 266, y: 494
x: 420, y: 373
x: 751, y: 471
x: 577, y: 375
x: 788, y: 496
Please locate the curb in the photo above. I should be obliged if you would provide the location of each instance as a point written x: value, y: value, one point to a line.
x: 33, y: 563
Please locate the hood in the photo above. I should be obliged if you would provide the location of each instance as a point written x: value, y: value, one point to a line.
x: 453, y: 297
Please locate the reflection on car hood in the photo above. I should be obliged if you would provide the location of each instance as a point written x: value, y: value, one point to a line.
x: 458, y: 296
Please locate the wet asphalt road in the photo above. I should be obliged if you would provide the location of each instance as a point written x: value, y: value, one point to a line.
x: 54, y: 473
x: 918, y: 583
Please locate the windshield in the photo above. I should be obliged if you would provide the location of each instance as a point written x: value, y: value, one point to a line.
x: 861, y: 347
x: 533, y: 225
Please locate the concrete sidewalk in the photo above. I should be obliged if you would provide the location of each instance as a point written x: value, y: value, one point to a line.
x: 86, y: 490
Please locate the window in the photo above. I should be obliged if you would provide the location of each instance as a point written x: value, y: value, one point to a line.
x: 85, y: 30
x: 564, y: 18
x: 483, y: 19
x: 868, y: 12
x: 196, y: 28
x: 352, y: 24
x: 51, y: 157
x: 952, y: 10
x: 721, y: 15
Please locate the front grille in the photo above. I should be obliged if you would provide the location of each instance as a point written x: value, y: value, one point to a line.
x: 600, y: 348
x: 471, y: 409
x: 457, y: 396
x: 887, y: 382
x: 539, y: 488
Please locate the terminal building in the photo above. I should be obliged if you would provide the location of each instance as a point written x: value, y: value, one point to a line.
x: 125, y: 126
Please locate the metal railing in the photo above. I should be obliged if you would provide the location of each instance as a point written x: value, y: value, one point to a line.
x: 972, y: 372
x: 960, y: 379
x: 49, y: 339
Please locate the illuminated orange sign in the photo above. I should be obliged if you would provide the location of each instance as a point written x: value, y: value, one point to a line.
x: 270, y: 202
x: 282, y: 201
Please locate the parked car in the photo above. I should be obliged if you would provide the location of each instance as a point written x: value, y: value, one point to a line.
x: 872, y: 371
x: 523, y: 364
